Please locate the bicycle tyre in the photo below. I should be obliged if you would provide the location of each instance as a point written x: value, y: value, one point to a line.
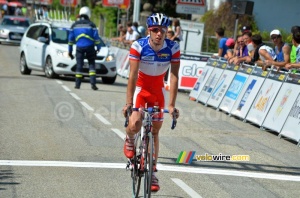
x: 136, y: 172
x: 148, y: 165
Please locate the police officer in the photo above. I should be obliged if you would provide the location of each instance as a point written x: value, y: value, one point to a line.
x: 85, y: 34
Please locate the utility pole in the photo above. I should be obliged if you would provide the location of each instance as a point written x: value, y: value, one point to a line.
x: 136, y: 11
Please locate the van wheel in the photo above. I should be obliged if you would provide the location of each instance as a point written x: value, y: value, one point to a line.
x: 49, y: 72
x: 109, y: 80
x: 23, y: 65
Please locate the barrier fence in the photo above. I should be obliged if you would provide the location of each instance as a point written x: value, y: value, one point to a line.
x: 268, y: 99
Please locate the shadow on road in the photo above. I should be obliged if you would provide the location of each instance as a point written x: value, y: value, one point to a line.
x: 236, y: 166
x: 6, y: 179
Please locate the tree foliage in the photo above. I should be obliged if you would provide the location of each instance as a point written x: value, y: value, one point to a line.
x: 223, y: 17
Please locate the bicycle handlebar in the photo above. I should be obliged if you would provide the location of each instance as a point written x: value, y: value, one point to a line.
x: 151, y: 110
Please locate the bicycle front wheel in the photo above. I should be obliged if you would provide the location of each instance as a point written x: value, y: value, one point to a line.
x: 148, y: 165
x: 136, y: 169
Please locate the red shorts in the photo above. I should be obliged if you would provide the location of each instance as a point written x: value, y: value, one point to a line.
x: 149, y: 98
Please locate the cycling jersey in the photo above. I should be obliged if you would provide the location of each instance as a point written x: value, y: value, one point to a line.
x: 152, y: 68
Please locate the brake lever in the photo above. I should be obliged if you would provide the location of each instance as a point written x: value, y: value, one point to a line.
x: 174, y: 121
x: 128, y: 113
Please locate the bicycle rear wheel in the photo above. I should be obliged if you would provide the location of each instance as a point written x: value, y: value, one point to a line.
x: 136, y: 174
x: 148, y: 165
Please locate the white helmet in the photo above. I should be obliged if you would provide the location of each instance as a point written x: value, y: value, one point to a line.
x: 86, y: 11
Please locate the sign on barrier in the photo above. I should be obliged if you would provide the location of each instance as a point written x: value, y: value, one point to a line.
x: 283, y: 103
x: 224, y: 82
x: 236, y: 87
x: 292, y: 125
x: 191, y: 67
x: 206, y: 72
x: 265, y: 97
x: 212, y: 81
x: 249, y: 92
x: 122, y: 62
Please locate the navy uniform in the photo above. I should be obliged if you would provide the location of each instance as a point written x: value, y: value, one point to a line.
x: 85, y: 35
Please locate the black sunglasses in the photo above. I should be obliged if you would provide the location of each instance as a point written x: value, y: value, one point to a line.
x: 274, y: 37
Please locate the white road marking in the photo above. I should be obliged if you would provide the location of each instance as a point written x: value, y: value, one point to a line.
x: 75, y: 96
x: 59, y: 82
x: 102, y: 119
x: 66, y: 88
x: 61, y: 164
x: 186, y: 188
x: 119, y: 133
x: 88, y: 107
x: 159, y: 167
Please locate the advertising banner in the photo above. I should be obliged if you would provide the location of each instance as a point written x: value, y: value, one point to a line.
x: 233, y: 92
x: 191, y: 67
x: 249, y: 92
x: 265, y: 97
x: 122, y: 61
x: 122, y: 4
x: 222, y: 86
x: 68, y: 2
x: 291, y: 128
x: 207, y: 70
x: 212, y: 82
x: 236, y: 87
x: 191, y: 7
x: 283, y: 103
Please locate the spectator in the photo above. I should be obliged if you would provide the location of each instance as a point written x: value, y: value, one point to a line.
x: 246, y: 28
x: 45, y: 12
x: 142, y: 31
x: 5, y: 8
x: 230, y: 43
x: 282, y: 51
x: 24, y: 10
x: 262, y: 52
x: 241, y: 50
x: 293, y: 50
x: 121, y: 37
x: 131, y: 35
x: 296, y: 43
x: 222, y: 41
x: 170, y: 35
x: 177, y: 31
x: 247, y: 36
x: 247, y: 54
x: 135, y: 26
x: 18, y: 11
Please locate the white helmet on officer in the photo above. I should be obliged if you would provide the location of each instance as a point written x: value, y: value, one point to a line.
x: 85, y: 11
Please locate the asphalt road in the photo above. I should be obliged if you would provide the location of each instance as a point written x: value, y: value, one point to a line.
x: 59, y: 142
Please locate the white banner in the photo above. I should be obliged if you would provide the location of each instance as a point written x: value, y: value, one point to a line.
x: 206, y: 72
x: 122, y: 62
x: 283, y: 103
x: 265, y: 98
x: 190, y: 70
x: 291, y: 128
x: 211, y: 82
x: 235, y: 88
x: 248, y: 93
x: 222, y: 86
x: 233, y: 92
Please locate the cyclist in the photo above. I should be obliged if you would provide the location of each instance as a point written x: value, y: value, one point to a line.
x: 149, y: 59
x: 85, y: 34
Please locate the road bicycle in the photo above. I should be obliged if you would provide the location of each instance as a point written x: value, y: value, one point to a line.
x: 141, y: 165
